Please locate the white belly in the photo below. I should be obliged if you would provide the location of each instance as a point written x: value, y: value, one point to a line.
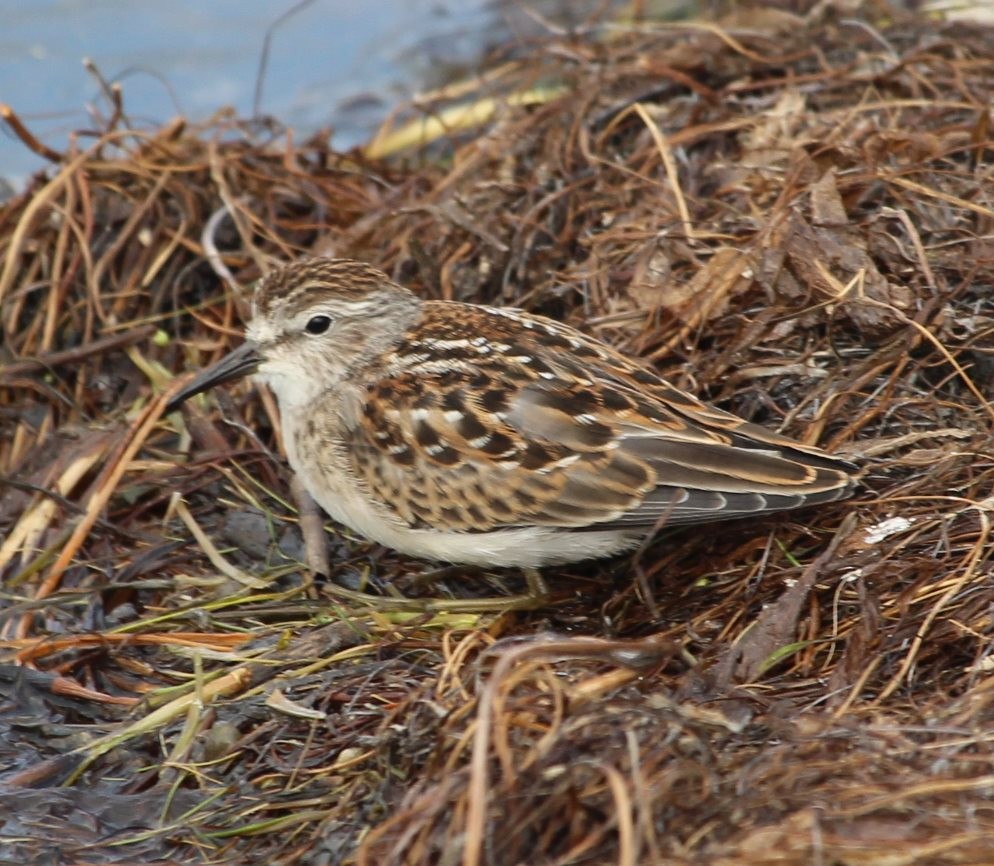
x: 521, y: 547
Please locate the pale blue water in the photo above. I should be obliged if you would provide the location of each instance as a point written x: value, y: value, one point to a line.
x: 340, y: 62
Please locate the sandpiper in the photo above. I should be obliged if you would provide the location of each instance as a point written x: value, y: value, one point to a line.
x: 493, y: 437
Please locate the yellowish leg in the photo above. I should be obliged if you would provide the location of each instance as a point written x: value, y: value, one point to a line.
x: 537, y: 595
x: 537, y: 588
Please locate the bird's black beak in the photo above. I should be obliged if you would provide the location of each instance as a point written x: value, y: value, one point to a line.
x: 241, y: 362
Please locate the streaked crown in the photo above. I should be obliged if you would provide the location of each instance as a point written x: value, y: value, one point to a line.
x: 350, y: 287
x: 314, y: 320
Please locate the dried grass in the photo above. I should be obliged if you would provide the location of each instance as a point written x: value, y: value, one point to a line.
x: 789, y: 214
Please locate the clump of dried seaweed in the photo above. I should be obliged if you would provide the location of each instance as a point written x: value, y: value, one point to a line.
x: 789, y: 214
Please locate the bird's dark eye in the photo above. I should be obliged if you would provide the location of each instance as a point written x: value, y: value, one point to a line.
x: 318, y: 324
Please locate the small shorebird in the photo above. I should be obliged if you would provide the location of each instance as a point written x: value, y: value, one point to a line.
x: 492, y: 437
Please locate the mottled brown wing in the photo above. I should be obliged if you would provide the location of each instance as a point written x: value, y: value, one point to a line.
x: 442, y: 453
x: 542, y: 425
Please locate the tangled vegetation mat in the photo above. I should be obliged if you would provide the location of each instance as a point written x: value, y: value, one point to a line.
x: 788, y: 212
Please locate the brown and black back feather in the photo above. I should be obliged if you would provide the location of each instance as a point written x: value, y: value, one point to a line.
x: 538, y: 424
